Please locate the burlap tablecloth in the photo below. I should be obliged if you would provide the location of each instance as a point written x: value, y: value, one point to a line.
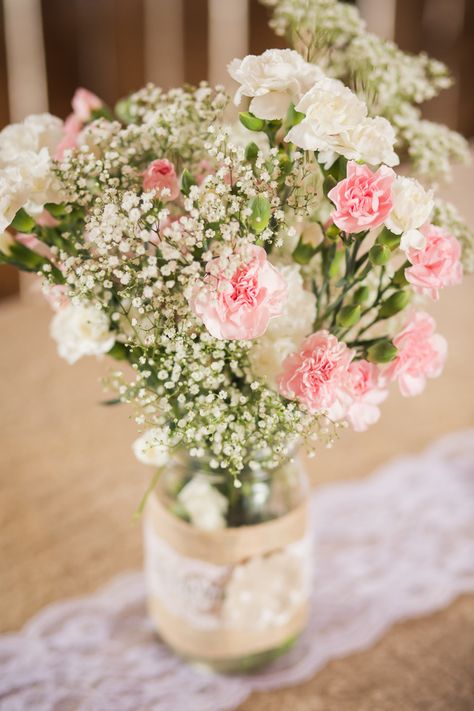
x: 69, y: 485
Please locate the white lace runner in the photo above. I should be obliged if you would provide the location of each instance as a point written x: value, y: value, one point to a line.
x: 392, y: 547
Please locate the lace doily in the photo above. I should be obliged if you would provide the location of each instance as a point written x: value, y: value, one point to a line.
x: 394, y: 546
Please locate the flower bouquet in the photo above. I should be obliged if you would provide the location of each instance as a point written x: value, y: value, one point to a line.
x: 259, y: 284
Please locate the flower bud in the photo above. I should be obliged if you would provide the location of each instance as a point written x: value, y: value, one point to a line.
x: 395, y: 303
x: 123, y: 110
x: 348, y: 316
x: 303, y: 252
x: 379, y: 255
x: 22, y: 222
x: 251, y: 122
x: 383, y: 351
x: 333, y: 232
x: 261, y: 213
x: 187, y: 181
x: 399, y: 278
x: 361, y: 295
x: 388, y: 239
x: 251, y: 152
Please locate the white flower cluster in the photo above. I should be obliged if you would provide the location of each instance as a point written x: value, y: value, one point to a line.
x: 335, y: 120
x: 26, y: 177
x: 393, y: 83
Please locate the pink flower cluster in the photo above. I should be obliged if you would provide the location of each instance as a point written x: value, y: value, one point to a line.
x: 437, y: 264
x: 314, y: 374
x: 361, y: 391
x: 363, y: 199
x: 241, y: 305
x: 323, y: 376
x: 161, y: 177
x: 421, y: 354
x: 83, y: 102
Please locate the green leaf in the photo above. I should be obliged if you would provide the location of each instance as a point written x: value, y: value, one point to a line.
x: 118, y: 351
x: 348, y: 316
x: 383, y: 351
x: 329, y: 183
x: 261, y: 213
x: 110, y: 403
x: 394, y: 304
x: 389, y: 239
x: 187, y: 181
x: 22, y: 222
x: 379, y: 255
x: 251, y: 122
x: 102, y: 112
x: 303, y: 252
x: 335, y: 266
x: 293, y: 117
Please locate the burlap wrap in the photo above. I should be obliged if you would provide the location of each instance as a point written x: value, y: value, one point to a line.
x: 227, y: 547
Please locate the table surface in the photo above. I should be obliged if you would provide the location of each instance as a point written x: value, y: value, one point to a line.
x: 69, y: 485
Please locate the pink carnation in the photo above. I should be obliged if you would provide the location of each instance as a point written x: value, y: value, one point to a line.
x: 360, y: 395
x: 314, y: 374
x: 84, y: 102
x: 421, y: 354
x: 435, y: 265
x: 161, y: 176
x: 363, y: 199
x: 71, y: 130
x: 240, y: 305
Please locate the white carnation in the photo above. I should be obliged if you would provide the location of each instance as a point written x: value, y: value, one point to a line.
x: 26, y: 178
x: 81, y: 330
x: 204, y: 504
x: 332, y: 112
x: 286, y: 332
x: 412, y: 205
x: 274, y: 80
x: 373, y: 140
x: 33, y: 134
x: 152, y: 448
x: 12, y: 195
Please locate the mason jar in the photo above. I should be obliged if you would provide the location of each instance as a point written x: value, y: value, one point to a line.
x: 228, y: 562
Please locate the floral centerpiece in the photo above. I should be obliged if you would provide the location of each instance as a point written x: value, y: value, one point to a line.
x: 261, y: 285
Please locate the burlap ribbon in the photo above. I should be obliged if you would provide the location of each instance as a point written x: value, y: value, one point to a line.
x: 226, y: 547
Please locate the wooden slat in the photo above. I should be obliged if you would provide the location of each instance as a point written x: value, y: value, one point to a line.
x: 228, y: 36
x: 61, y: 47
x: 129, y: 45
x: 466, y: 61
x: 164, y: 42
x: 261, y: 36
x: 4, y: 113
x: 195, y: 41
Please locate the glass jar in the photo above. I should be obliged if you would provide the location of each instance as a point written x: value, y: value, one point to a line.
x: 228, y: 566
